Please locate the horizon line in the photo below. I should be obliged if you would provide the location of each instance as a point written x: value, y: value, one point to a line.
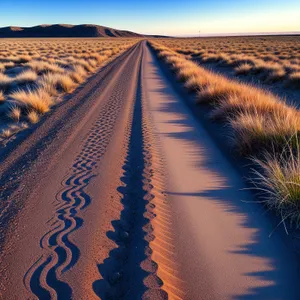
x: 258, y: 33
x: 192, y: 35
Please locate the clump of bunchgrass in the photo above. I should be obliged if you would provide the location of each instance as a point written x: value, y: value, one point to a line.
x: 38, y: 100
x: 243, y: 69
x: 78, y: 74
x: 278, y: 178
x: 28, y: 76
x: 43, y: 67
x: 33, y: 117
x: 15, y: 113
x: 60, y: 82
x: 255, y: 131
x: 6, y: 133
x: 5, y: 81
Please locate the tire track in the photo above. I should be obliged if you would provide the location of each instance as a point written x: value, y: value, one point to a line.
x: 11, y: 167
x: 161, y: 227
x: 34, y: 152
x: 130, y: 271
x: 60, y: 253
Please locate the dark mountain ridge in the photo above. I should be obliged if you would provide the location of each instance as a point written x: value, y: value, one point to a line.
x: 64, y: 30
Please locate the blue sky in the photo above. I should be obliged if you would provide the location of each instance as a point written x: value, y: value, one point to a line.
x: 173, y: 17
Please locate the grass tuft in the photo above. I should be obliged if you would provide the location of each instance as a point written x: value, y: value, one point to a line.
x: 279, y: 179
x: 26, y: 77
x: 38, y: 100
x: 15, y: 113
x: 254, y: 131
x: 33, y: 117
x: 243, y: 69
x: 58, y: 82
x: 6, y: 133
x: 5, y: 81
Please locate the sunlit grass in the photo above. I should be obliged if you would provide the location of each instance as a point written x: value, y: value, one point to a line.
x: 279, y: 180
x: 15, y: 113
x: 271, y: 59
x: 260, y: 124
x: 35, y: 74
x: 37, y: 100
x: 33, y: 117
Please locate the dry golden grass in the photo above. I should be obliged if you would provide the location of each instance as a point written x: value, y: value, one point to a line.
x: 35, y: 74
x: 244, y: 68
x: 44, y: 66
x: 279, y: 180
x: 275, y: 58
x: 88, y: 65
x: 79, y: 74
x: 243, y: 98
x: 217, y: 89
x: 37, y: 100
x: 260, y: 123
x: 58, y: 82
x: 5, y: 81
x: 26, y: 77
x: 255, y: 132
x: 6, y: 133
x: 257, y: 118
x: 33, y: 117
x: 276, y: 75
x: 15, y: 113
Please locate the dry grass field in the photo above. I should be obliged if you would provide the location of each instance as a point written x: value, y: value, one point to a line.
x: 133, y: 186
x: 35, y: 74
x: 263, y: 126
x: 271, y: 58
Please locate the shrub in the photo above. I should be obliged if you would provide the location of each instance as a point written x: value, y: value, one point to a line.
x: 38, y: 100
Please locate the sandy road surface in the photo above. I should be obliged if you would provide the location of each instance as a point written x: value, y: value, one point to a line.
x: 121, y: 194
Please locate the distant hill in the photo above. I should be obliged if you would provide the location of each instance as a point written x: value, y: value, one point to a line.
x: 64, y: 30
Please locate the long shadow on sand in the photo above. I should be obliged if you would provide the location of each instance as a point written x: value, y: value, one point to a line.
x: 279, y: 280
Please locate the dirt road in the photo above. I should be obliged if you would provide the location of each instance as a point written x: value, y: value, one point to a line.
x: 121, y: 194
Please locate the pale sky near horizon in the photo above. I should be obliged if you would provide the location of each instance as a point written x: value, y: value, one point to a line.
x: 169, y: 17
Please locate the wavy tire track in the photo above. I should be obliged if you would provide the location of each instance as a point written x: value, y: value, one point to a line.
x: 60, y: 254
x: 130, y: 271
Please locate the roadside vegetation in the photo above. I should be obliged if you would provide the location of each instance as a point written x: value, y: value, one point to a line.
x: 36, y: 74
x: 264, y: 128
x: 270, y: 59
